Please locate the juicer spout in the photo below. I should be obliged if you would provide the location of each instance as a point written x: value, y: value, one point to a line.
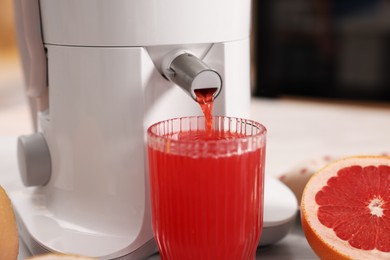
x: 191, y: 74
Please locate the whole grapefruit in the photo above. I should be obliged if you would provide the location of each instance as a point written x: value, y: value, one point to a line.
x: 345, y: 209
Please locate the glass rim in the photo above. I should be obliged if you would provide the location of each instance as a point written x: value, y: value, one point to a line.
x: 262, y: 130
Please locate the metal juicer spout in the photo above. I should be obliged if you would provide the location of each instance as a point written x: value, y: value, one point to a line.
x: 191, y: 74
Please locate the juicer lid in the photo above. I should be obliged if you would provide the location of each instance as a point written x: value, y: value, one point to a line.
x: 143, y: 23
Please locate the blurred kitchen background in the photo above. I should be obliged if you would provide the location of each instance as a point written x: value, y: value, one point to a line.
x: 322, y: 49
x: 14, y: 113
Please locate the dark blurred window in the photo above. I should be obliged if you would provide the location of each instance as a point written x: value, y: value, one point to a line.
x: 338, y: 48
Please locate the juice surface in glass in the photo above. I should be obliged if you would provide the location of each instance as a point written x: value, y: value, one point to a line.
x: 207, y: 189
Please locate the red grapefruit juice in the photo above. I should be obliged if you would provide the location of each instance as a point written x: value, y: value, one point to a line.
x: 207, y: 204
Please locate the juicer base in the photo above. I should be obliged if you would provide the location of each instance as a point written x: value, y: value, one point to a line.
x: 32, y: 216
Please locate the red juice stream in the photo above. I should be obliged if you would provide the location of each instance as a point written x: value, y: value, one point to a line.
x: 205, y: 98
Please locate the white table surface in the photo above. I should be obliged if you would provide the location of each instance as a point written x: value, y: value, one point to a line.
x: 298, y: 131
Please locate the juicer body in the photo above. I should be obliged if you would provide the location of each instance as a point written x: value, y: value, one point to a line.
x: 103, y: 87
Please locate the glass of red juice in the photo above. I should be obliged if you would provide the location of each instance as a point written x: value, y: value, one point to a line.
x: 207, y: 187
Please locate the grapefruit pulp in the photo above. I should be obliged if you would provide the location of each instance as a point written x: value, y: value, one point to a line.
x: 345, y: 209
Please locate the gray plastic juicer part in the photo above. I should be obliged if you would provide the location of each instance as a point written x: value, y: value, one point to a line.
x: 191, y: 74
x: 34, y: 160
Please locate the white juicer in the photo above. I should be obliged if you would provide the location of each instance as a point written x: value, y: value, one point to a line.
x: 98, y: 73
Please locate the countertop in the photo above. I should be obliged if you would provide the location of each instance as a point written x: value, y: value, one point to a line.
x: 300, y: 130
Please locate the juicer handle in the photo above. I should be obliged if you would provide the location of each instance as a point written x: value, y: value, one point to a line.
x: 190, y: 73
x: 28, y: 25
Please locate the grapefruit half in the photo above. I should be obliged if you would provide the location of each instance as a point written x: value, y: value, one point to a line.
x: 59, y: 257
x: 9, y: 239
x: 345, y: 209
